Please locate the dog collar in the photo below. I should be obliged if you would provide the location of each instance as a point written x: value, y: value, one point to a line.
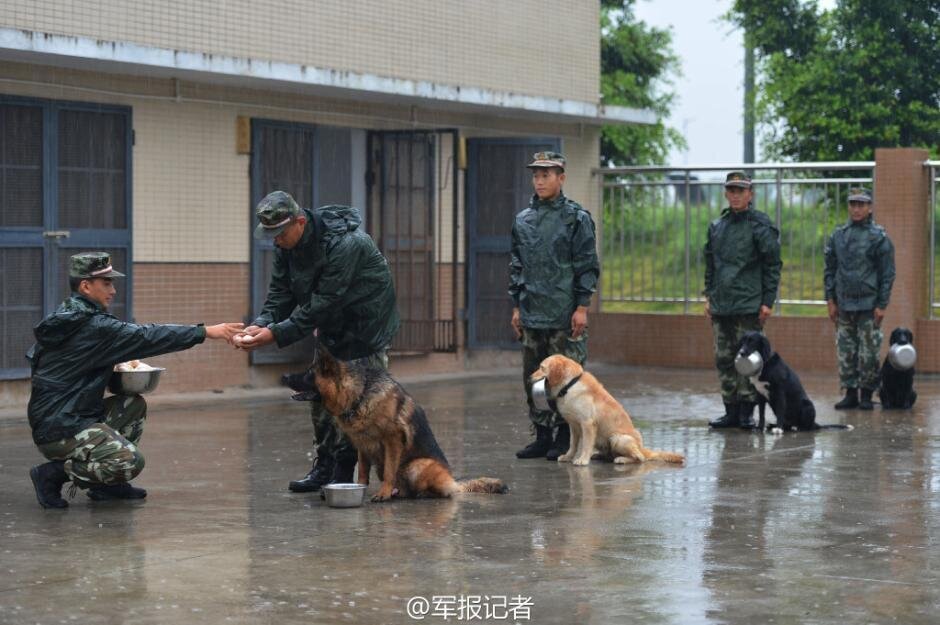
x: 348, y: 414
x: 567, y: 387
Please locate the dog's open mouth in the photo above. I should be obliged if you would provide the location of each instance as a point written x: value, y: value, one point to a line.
x: 306, y: 396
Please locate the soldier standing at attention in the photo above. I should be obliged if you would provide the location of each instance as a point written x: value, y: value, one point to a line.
x: 858, y: 278
x: 328, y: 275
x: 553, y: 273
x: 742, y: 273
x: 88, y: 439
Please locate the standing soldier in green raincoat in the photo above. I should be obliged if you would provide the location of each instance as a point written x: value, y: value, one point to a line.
x: 553, y: 273
x: 742, y: 273
x: 328, y: 275
x: 858, y: 278
x: 88, y: 439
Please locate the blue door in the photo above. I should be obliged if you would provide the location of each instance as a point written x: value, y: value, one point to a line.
x: 498, y: 187
x: 65, y: 187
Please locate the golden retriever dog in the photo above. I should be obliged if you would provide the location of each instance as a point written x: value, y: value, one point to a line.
x: 597, y: 420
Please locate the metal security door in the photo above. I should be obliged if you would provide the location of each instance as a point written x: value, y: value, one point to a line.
x: 498, y: 187
x: 402, y: 164
x: 65, y: 187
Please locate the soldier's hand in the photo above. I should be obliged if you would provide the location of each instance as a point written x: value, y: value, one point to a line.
x: 516, y: 323
x: 764, y: 314
x: 259, y: 338
x: 833, y: 311
x: 879, y: 315
x: 708, y: 310
x: 226, y: 331
x: 578, y: 321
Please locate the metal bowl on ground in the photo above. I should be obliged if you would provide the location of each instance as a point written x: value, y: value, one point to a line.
x: 135, y: 382
x: 344, y: 495
x: 902, y: 357
x: 748, y: 365
x: 540, y: 395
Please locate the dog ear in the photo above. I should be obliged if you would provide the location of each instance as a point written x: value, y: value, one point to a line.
x: 324, y: 363
x: 765, y: 350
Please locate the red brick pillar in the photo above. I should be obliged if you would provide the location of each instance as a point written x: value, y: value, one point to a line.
x: 902, y: 189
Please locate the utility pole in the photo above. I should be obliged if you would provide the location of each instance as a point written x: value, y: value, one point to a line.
x: 748, y: 98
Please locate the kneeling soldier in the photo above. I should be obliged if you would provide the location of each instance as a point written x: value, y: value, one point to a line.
x: 87, y: 439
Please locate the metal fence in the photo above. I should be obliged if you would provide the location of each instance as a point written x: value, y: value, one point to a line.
x: 654, y: 222
x: 933, y: 168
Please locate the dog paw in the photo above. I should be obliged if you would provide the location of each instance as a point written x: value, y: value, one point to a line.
x: 581, y: 462
x: 564, y: 458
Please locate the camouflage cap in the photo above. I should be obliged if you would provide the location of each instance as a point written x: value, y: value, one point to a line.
x: 547, y: 159
x: 738, y: 179
x: 274, y: 213
x: 92, y: 265
x: 859, y: 194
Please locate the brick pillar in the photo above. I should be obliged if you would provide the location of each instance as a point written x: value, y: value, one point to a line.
x: 902, y: 189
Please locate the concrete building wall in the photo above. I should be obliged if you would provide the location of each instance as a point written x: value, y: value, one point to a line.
x: 528, y: 47
x: 191, y: 187
x: 191, y: 214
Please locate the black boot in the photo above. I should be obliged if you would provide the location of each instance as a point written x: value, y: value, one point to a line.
x: 850, y: 400
x: 319, y: 475
x: 540, y: 446
x: 48, y: 479
x: 865, y: 402
x: 561, y: 444
x: 107, y: 492
x: 343, y: 471
x: 729, y: 419
x: 746, y: 415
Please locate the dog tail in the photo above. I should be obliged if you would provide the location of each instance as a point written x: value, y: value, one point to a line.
x: 665, y: 456
x: 490, y: 485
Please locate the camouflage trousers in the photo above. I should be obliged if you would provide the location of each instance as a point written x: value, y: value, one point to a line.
x: 105, y: 453
x: 328, y: 440
x: 728, y: 330
x: 537, y: 345
x: 858, y: 344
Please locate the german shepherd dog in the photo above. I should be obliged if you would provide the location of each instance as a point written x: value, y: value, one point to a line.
x: 386, y: 426
x: 897, y: 386
x: 779, y: 385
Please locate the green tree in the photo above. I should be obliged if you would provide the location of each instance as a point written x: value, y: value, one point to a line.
x: 836, y: 84
x: 637, y: 65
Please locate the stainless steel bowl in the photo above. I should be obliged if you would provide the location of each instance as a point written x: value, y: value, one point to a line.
x: 540, y: 395
x: 902, y: 357
x: 134, y: 382
x: 344, y: 495
x: 749, y: 365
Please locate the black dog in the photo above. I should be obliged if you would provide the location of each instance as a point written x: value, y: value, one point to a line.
x: 778, y: 385
x: 897, y: 386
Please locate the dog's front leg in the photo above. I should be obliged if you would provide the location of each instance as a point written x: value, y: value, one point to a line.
x: 391, y: 462
x: 365, y: 468
x: 575, y: 428
x: 587, y: 440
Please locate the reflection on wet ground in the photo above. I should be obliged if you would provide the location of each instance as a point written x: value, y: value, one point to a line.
x: 831, y: 527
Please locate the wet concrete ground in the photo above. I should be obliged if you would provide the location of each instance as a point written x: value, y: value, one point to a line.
x: 828, y: 527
